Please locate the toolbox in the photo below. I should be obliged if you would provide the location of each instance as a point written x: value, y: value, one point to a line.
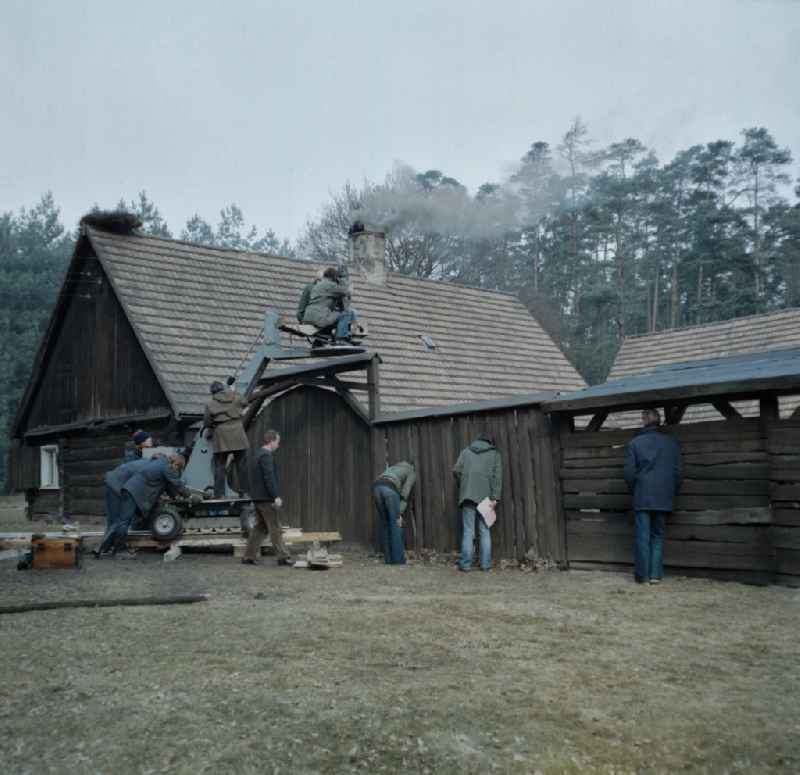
x: 61, y: 552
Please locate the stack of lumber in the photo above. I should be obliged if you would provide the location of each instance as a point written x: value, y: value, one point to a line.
x: 721, y: 526
x: 784, y: 475
x: 227, y: 538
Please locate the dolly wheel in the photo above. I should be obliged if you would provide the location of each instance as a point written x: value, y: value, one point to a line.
x: 167, y: 524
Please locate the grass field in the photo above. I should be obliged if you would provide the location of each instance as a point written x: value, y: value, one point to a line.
x: 370, y: 668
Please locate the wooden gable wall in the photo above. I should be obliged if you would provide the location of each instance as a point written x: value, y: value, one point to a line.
x: 94, y: 367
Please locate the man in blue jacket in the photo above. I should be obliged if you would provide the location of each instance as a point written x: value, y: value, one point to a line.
x: 265, y: 492
x: 114, y: 481
x: 653, y: 474
x: 142, y: 491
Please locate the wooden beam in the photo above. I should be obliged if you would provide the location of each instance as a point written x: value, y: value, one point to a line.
x: 359, y: 386
x: 597, y: 421
x: 258, y: 398
x: 769, y: 408
x: 351, y: 401
x: 726, y: 409
x: 737, y: 389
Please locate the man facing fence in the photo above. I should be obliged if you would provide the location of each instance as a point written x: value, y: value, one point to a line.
x: 653, y: 474
x: 480, y: 475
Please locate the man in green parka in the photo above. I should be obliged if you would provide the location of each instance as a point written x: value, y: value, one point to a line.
x: 390, y: 494
x: 480, y: 475
x: 328, y: 304
x: 305, y: 296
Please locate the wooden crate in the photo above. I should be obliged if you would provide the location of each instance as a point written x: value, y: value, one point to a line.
x: 62, y: 552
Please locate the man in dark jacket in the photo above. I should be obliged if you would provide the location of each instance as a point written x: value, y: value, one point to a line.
x: 114, y: 481
x: 480, y: 475
x: 328, y: 303
x: 141, y: 492
x: 223, y: 418
x: 390, y: 494
x: 653, y: 474
x: 265, y: 493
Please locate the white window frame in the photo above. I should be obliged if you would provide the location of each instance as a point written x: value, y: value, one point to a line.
x: 48, y: 471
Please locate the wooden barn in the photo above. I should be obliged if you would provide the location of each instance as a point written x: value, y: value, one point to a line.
x: 738, y: 512
x: 142, y: 325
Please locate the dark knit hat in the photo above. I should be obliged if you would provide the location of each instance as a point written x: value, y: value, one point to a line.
x: 216, y: 387
x: 140, y: 437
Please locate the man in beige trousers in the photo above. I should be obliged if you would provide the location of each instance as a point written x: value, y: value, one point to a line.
x: 266, y: 497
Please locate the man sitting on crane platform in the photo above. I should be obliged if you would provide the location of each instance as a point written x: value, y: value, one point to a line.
x: 329, y: 304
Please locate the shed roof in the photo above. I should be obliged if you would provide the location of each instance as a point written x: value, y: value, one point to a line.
x: 753, y: 333
x: 776, y: 371
x: 197, y: 311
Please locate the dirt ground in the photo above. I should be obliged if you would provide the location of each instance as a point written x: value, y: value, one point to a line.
x: 371, y: 668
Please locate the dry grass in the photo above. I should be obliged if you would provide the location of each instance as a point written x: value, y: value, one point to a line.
x: 371, y: 668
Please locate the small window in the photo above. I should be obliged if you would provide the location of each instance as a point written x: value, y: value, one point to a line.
x: 49, y: 476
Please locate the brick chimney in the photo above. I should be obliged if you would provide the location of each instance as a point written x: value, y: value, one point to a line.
x: 368, y: 252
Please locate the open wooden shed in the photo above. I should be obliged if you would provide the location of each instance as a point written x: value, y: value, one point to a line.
x: 738, y: 513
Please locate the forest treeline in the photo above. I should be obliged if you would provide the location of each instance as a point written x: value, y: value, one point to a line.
x: 599, y: 242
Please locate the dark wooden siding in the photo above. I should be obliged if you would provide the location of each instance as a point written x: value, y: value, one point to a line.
x: 23, y: 467
x: 783, y: 443
x: 94, y: 367
x: 529, y: 523
x: 722, y: 523
x: 329, y: 458
x: 323, y: 462
x: 85, y: 460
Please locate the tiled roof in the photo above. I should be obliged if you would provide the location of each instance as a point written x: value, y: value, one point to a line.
x: 751, y: 334
x: 198, y: 310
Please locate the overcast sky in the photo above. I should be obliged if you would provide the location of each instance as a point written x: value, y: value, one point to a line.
x: 273, y: 105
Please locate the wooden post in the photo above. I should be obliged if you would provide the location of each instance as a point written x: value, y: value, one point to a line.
x: 552, y: 523
x: 768, y: 405
x: 673, y: 413
x: 374, y: 387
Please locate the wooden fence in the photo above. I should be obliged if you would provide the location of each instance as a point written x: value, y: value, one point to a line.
x: 330, y: 456
x: 723, y: 524
x: 529, y: 520
x: 783, y: 444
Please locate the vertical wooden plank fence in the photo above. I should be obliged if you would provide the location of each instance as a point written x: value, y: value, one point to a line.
x: 721, y: 526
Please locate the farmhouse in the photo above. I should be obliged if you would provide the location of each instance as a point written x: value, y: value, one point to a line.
x: 142, y: 325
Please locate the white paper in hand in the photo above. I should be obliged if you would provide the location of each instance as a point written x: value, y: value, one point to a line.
x: 486, y: 510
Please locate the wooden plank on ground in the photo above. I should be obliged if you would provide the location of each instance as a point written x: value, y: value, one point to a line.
x: 697, y: 554
x: 760, y: 578
x: 757, y: 535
